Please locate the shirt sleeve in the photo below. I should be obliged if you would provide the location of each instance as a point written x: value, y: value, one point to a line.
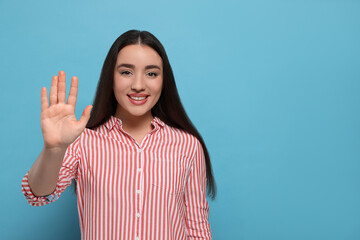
x: 68, y: 171
x: 196, y: 205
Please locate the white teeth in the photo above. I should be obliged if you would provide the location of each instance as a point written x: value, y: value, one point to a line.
x: 137, y: 98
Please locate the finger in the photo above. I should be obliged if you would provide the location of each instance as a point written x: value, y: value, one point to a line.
x: 61, y: 88
x: 53, y: 91
x: 85, y: 116
x: 73, y: 92
x: 44, y: 99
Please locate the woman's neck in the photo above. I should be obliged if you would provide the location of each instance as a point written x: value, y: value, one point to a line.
x: 136, y: 124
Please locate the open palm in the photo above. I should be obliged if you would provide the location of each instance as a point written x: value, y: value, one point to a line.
x: 58, y: 121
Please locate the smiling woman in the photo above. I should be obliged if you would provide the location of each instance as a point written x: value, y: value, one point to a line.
x: 141, y: 168
x: 138, y: 79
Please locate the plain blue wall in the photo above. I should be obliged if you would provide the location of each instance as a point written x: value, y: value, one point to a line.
x: 273, y: 86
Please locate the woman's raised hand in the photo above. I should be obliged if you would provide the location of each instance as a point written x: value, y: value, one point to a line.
x: 59, y: 125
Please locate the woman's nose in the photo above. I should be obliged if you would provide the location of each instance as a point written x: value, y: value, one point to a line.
x: 138, y: 83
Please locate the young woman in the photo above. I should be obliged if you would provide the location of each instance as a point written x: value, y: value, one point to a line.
x: 141, y: 167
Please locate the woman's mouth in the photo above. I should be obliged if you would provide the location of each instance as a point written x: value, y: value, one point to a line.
x: 137, y: 100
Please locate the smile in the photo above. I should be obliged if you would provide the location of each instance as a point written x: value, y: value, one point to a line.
x: 137, y: 100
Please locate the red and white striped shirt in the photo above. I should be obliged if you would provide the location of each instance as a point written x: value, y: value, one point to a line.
x: 126, y: 190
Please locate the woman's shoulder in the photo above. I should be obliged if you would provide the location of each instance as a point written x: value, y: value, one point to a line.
x: 181, y: 134
x: 92, y: 133
x: 95, y: 132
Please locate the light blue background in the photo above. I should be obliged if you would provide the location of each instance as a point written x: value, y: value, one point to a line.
x: 273, y: 87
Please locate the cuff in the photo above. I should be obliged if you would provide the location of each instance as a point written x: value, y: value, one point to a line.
x: 34, y: 200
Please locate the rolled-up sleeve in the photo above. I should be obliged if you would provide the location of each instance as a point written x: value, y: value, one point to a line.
x: 68, y: 171
x: 197, y: 207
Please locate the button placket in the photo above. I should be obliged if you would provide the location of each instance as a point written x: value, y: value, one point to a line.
x: 138, y: 189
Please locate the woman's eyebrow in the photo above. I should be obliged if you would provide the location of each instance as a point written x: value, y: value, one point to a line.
x: 152, y: 66
x: 132, y: 66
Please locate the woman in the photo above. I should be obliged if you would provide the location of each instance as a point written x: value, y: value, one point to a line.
x: 141, y: 167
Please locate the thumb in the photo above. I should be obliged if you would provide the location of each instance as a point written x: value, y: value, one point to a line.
x: 85, y: 116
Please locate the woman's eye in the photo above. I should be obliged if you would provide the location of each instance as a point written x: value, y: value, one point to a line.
x: 125, y: 72
x: 152, y: 74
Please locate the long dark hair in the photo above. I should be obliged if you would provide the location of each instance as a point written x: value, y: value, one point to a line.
x: 168, y: 108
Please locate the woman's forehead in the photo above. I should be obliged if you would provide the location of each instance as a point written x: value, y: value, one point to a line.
x: 137, y: 54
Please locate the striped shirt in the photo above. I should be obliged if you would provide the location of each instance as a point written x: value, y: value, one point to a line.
x: 155, y: 189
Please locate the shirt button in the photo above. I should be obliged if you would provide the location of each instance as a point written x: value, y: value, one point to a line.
x: 137, y: 215
x: 137, y: 191
x: 137, y: 238
x: 139, y: 169
x: 139, y: 150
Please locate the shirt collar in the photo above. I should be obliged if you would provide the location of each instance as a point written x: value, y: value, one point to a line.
x: 112, y: 121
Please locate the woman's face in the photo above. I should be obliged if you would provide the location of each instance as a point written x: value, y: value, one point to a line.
x: 138, y: 79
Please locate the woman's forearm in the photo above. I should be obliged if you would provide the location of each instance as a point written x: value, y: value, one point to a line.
x: 44, y: 173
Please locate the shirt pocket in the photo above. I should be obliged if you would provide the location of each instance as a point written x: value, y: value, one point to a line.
x: 168, y: 175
